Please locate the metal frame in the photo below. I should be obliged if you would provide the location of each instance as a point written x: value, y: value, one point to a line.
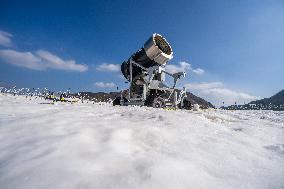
x: 157, y: 69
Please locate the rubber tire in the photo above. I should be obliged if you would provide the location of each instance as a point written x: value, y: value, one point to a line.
x: 158, y: 102
x: 186, y: 105
x: 116, y: 101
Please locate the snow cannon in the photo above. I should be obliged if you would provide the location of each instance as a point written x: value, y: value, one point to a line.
x: 155, y: 52
x: 145, y: 72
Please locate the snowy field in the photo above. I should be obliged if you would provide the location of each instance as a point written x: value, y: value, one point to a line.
x: 44, y: 146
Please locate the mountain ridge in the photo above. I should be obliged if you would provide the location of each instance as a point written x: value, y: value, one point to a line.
x: 275, y: 102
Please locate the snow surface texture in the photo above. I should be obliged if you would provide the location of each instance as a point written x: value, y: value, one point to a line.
x: 100, y: 146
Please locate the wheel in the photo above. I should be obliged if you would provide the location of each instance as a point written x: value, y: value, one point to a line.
x: 116, y: 101
x: 158, y: 102
x: 186, y: 104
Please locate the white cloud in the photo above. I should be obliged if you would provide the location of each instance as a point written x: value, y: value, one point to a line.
x: 204, y: 85
x: 55, y: 62
x: 217, y: 93
x: 21, y: 59
x: 5, y: 39
x: 198, y: 71
x: 182, y: 67
x: 104, y: 85
x: 108, y: 67
x: 40, y: 60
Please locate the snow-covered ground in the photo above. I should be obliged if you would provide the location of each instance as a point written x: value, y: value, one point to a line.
x: 100, y: 146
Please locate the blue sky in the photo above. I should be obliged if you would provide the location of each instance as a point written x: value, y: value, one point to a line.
x: 232, y: 50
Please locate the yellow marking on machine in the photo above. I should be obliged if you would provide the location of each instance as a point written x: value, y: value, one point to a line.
x: 169, y: 108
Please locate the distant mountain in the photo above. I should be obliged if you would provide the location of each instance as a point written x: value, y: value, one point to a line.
x: 197, y: 100
x: 106, y: 97
x: 276, y: 102
x: 6, y: 85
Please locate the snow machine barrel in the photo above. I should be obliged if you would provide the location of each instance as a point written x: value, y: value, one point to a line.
x: 156, y: 51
